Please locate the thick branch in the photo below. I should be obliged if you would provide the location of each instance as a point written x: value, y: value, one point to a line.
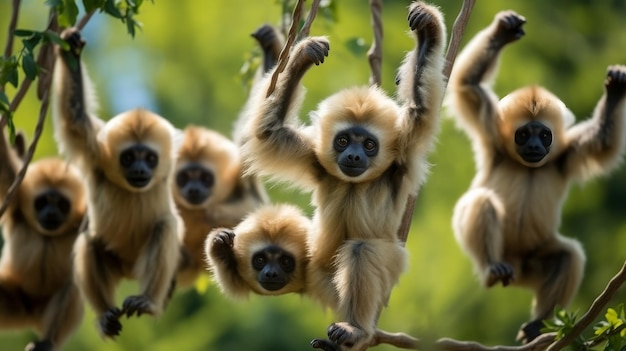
x: 539, y: 344
x: 375, y: 52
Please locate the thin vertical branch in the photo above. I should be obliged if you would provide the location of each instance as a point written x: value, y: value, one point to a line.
x: 455, y: 42
x: 375, y: 52
x: 306, y: 28
x: 8, y: 48
x: 284, y: 54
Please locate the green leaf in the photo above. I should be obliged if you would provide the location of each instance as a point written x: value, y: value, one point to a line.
x: 31, y: 43
x: 4, y: 100
x: 356, y: 46
x: 68, y: 13
x: 7, y: 66
x: 91, y: 5
x: 54, y: 3
x: 111, y: 8
x: 29, y: 66
x: 52, y: 37
x: 24, y: 32
x: 11, y: 127
x: 13, y: 77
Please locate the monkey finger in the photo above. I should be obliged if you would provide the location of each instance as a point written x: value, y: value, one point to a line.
x: 324, y: 344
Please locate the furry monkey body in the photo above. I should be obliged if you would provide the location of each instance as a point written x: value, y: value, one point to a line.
x: 363, y: 155
x: 134, y: 230
x: 527, y: 152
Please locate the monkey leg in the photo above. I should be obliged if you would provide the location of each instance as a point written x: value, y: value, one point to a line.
x: 97, y: 273
x: 477, y: 223
x: 155, y: 270
x: 61, y: 317
x: 554, y: 272
x: 366, y: 272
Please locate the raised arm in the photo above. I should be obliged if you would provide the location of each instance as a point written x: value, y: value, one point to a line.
x: 75, y: 126
x: 474, y: 71
x: 596, y: 146
x: 280, y: 146
x: 421, y: 81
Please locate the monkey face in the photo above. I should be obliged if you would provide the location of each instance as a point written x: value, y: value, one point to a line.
x: 51, y: 209
x: 355, y: 147
x: 194, y: 183
x: 274, y: 266
x: 138, y: 163
x: 533, y: 141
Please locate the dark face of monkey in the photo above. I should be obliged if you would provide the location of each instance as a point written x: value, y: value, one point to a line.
x: 533, y: 141
x: 195, y: 183
x: 52, y: 209
x: 274, y: 265
x: 137, y: 163
x: 355, y: 147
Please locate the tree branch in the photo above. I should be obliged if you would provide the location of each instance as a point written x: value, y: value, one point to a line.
x: 306, y: 28
x: 375, y: 52
x: 8, y: 48
x: 539, y: 344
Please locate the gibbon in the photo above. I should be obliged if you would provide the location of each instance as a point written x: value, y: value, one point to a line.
x: 527, y: 153
x: 134, y: 230
x: 209, y: 192
x: 39, y: 229
x: 363, y: 155
x: 266, y: 253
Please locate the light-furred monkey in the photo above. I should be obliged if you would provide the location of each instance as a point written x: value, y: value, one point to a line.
x: 527, y: 153
x: 363, y: 155
x: 134, y: 230
x: 39, y: 229
x: 209, y: 192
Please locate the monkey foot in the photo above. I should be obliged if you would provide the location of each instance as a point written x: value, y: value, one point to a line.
x: 616, y: 80
x: 529, y: 331
x: 137, y: 305
x: 500, y: 272
x: 325, y: 345
x: 109, y: 322
x: 509, y: 26
x: 341, y: 334
x: 44, y: 345
x: 316, y: 49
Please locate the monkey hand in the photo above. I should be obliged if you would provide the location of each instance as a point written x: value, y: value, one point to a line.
x: 265, y: 36
x: 500, y: 272
x: 508, y: 27
x: 137, y: 305
x: 313, y: 50
x: 325, y: 345
x: 529, y: 331
x: 73, y: 37
x: 109, y: 322
x: 44, y: 345
x: 222, y: 244
x: 422, y: 17
x: 342, y: 335
x: 615, y: 82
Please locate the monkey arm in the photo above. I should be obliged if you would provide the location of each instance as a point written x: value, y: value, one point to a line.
x: 596, y: 146
x: 62, y: 315
x: 472, y: 77
x: 75, y: 128
x: 420, y: 87
x: 278, y: 145
x: 219, y: 250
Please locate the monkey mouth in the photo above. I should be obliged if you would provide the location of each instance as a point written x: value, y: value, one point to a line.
x: 533, y: 157
x: 51, y: 223
x: 352, y: 170
x: 195, y: 199
x: 138, y: 182
x: 272, y: 285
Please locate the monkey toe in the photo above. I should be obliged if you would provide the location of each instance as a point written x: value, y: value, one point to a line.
x: 317, y: 49
x: 420, y: 16
x: 500, y: 272
x: 110, y: 324
x: 343, y: 333
x: 529, y: 331
x: 325, y: 345
x: 137, y: 305
x: 44, y: 345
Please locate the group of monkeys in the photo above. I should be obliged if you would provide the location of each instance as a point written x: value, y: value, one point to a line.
x: 137, y: 198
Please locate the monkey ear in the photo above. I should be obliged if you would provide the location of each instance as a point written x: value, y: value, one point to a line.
x: 20, y: 145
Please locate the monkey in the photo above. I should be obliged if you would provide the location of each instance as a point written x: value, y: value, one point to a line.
x: 266, y: 253
x: 134, y: 230
x: 361, y: 157
x: 209, y: 192
x: 39, y: 228
x: 527, y: 150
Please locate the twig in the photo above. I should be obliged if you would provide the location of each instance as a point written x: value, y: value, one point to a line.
x: 306, y: 28
x: 284, y: 54
x: 596, y: 308
x: 539, y: 344
x: 375, y: 52
x: 455, y: 42
x: 83, y: 21
x: 8, y: 48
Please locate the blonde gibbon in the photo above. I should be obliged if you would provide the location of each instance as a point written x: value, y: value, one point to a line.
x: 363, y: 155
x: 266, y: 253
x: 39, y: 229
x: 209, y: 192
x: 134, y: 230
x: 527, y: 152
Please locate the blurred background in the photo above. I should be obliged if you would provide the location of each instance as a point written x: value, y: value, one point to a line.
x: 185, y: 64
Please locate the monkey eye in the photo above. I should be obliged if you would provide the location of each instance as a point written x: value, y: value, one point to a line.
x: 342, y: 141
x: 546, y: 137
x: 127, y: 158
x: 152, y: 159
x: 40, y: 203
x: 258, y: 261
x: 370, y: 145
x: 287, y: 263
x: 182, y: 178
x: 521, y: 136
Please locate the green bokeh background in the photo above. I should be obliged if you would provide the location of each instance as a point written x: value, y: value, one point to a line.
x: 185, y: 65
